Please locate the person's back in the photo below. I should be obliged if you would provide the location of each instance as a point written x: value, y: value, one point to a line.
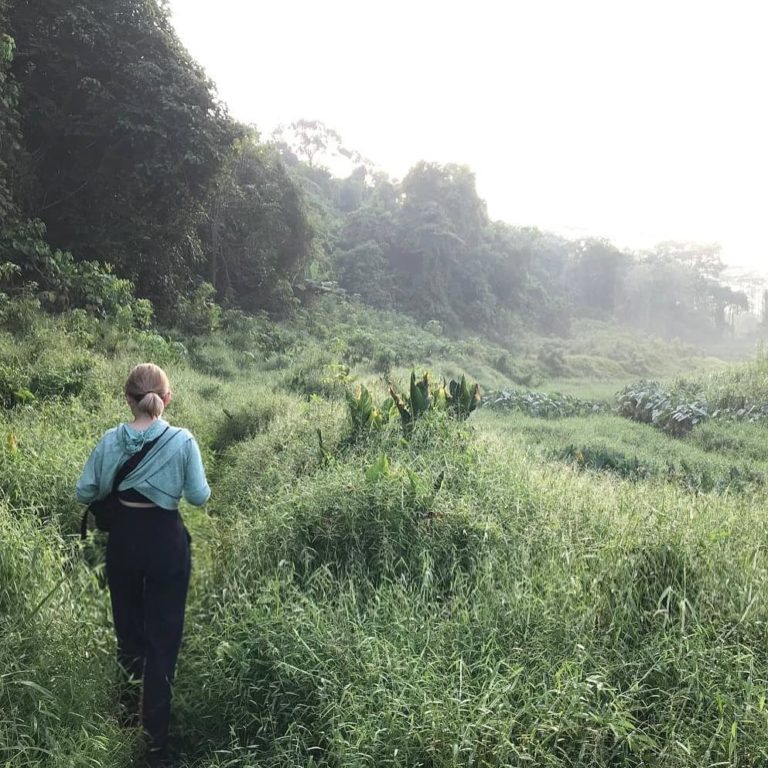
x: 148, y: 551
x: 171, y: 469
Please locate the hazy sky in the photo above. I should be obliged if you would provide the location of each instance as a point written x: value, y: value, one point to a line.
x: 638, y: 121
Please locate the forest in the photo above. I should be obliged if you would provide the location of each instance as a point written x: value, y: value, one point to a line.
x: 482, y: 495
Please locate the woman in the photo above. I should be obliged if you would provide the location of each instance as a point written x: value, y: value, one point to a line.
x: 148, y: 552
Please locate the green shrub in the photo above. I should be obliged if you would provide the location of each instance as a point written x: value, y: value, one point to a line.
x: 384, y: 360
x: 422, y: 397
x: 198, y: 314
x: 361, y: 346
x: 19, y: 314
x: 604, y: 459
x: 317, y: 373
x: 673, y: 411
x: 59, y: 282
x: 213, y: 358
x: 541, y: 404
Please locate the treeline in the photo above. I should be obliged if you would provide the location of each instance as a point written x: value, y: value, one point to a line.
x: 121, y: 171
x: 427, y: 246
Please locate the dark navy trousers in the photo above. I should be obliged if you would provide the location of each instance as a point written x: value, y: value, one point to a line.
x: 148, y: 567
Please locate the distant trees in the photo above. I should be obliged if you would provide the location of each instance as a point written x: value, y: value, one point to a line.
x: 114, y: 148
x: 675, y: 289
x: 598, y: 270
x: 314, y: 143
x: 426, y: 246
x: 257, y: 235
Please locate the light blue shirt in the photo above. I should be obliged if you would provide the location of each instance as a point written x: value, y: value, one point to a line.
x: 173, y: 467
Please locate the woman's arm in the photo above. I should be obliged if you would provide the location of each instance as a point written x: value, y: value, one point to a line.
x: 196, y: 489
x: 87, y: 487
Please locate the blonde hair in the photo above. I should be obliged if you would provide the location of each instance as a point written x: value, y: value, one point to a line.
x: 147, y: 385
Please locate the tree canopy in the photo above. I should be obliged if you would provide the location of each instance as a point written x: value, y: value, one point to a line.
x: 114, y: 137
x: 115, y: 149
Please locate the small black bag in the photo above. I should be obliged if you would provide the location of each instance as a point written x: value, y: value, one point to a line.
x: 104, y: 510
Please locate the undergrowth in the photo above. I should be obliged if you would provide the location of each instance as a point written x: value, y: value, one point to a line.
x: 504, y: 590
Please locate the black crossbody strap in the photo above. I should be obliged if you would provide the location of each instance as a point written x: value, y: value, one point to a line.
x: 134, y: 461
x: 122, y: 473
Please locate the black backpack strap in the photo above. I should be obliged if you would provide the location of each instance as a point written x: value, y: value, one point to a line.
x: 84, y: 525
x: 125, y: 469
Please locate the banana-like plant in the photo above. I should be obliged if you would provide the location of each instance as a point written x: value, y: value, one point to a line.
x: 416, y: 403
x: 461, y: 401
x: 456, y: 398
x: 364, y: 414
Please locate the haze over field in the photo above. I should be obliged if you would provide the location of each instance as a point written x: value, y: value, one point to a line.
x: 635, y: 121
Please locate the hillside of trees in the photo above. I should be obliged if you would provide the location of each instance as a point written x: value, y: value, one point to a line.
x: 121, y: 171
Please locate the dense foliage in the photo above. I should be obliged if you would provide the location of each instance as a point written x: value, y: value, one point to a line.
x: 112, y: 136
x: 9, y: 120
x: 434, y: 253
x: 257, y: 233
x: 426, y: 246
x: 740, y: 395
x: 126, y: 137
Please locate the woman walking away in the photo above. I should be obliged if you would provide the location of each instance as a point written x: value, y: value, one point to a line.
x: 148, y: 551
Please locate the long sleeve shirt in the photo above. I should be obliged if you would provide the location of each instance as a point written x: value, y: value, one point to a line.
x: 171, y: 470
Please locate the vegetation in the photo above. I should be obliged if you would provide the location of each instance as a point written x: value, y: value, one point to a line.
x: 543, y: 405
x: 122, y: 155
x: 387, y: 574
x: 739, y: 394
x: 354, y: 600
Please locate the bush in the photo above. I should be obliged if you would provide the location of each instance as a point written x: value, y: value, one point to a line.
x: 673, y: 411
x: 384, y: 360
x: 541, y: 404
x: 604, y: 459
x: 213, y: 358
x: 56, y: 280
x: 249, y: 417
x: 361, y: 346
x: 198, y: 314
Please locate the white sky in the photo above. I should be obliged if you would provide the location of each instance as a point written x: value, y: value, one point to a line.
x: 638, y: 121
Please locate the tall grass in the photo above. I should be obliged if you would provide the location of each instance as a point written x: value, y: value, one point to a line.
x: 479, y: 597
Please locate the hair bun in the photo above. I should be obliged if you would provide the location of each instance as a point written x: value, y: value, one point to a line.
x: 144, y: 380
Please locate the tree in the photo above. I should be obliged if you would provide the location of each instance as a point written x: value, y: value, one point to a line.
x: 675, y: 291
x: 452, y: 189
x: 258, y: 235
x: 362, y: 270
x: 598, y: 270
x: 726, y: 304
x: 9, y: 122
x: 659, y: 297
x: 507, y: 255
x: 702, y: 258
x: 314, y: 143
x: 765, y: 308
x: 125, y: 131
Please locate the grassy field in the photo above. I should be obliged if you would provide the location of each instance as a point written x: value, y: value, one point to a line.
x: 506, y: 590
